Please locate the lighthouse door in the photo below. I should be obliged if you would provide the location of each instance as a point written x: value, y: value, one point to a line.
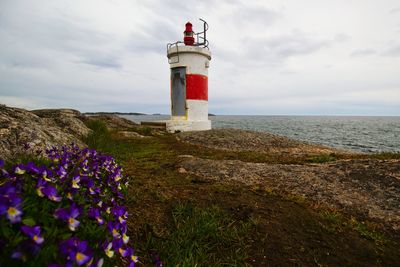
x: 178, y: 94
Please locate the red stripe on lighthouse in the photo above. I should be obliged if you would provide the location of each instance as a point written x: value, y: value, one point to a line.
x: 196, y: 87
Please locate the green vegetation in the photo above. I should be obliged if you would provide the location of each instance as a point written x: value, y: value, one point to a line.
x: 99, y: 137
x: 336, y: 223
x: 387, y: 155
x: 322, y: 158
x: 367, y: 230
x: 192, y: 235
x: 186, y: 221
x: 143, y: 131
x: 203, y: 237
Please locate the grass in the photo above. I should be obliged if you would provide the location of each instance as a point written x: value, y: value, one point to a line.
x: 367, y: 230
x: 336, y: 223
x: 387, y: 155
x: 193, y: 235
x: 99, y: 136
x: 322, y: 158
x: 203, y: 237
x: 146, y: 131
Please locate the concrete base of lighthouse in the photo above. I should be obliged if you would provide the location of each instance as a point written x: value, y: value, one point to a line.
x: 174, y: 126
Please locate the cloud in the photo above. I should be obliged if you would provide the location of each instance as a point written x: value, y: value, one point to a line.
x: 102, y: 62
x: 297, y: 43
x: 275, y: 50
x: 393, y: 51
x: 258, y: 17
x: 395, y: 10
x: 363, y: 52
x: 342, y: 37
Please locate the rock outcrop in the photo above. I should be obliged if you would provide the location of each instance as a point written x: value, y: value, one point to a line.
x: 21, y: 129
x: 70, y: 120
x: 114, y: 122
x: 250, y: 141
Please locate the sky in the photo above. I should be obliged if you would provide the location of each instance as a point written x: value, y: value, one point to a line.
x: 287, y: 57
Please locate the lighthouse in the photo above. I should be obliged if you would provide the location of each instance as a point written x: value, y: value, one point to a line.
x: 189, y: 62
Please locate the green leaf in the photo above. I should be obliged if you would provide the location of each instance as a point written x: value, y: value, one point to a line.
x: 66, y: 236
x: 29, y: 221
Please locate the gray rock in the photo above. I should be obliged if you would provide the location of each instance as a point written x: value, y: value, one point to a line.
x: 242, y: 140
x: 39, y: 129
x: 69, y: 120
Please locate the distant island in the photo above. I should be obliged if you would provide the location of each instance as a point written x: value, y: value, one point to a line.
x: 128, y: 113
x: 114, y: 113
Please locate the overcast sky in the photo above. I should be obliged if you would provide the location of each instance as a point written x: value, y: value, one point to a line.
x: 310, y: 57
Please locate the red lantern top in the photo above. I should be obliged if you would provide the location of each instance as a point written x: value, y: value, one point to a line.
x: 188, y: 38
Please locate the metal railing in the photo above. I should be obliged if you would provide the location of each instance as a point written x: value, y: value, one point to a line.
x: 201, y: 36
x: 201, y: 40
x: 176, y: 44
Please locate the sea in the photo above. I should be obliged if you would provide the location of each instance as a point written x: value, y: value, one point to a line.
x: 358, y: 133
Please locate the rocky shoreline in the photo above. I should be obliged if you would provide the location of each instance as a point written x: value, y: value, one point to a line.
x: 367, y: 188
x: 363, y: 187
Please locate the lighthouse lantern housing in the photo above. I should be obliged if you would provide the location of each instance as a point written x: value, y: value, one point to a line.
x: 188, y: 38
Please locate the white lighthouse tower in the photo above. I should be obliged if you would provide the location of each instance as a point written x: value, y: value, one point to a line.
x: 189, y: 62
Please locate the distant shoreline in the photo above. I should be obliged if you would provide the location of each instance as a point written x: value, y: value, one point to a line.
x: 128, y: 113
x: 114, y: 113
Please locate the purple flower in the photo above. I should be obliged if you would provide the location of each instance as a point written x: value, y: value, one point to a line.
x: 70, y: 196
x: 94, y: 190
x: 69, y: 216
x: 75, y: 181
x: 46, y: 174
x: 121, y: 213
x: 7, y: 188
x: 19, y: 169
x: 10, y: 204
x: 76, y: 251
x: 108, y: 246
x: 125, y: 238
x: 40, y: 186
x: 115, y: 229
x: 125, y: 252
x: 133, y: 260
x: 97, y: 263
x: 94, y: 213
x: 61, y: 172
x: 32, y: 168
x: 117, y: 243
x: 33, y: 232
x: 129, y: 253
x: 51, y: 192
x: 1, y: 163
